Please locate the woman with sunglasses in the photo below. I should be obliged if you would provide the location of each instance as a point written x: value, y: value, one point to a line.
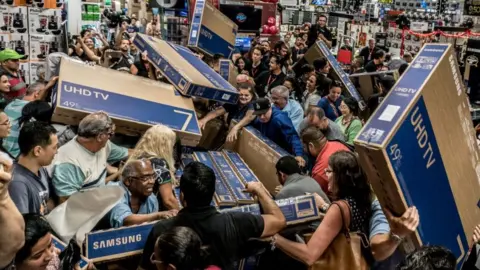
x: 352, y: 197
x: 180, y: 248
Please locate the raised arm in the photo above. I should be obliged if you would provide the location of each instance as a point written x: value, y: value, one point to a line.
x: 11, y: 221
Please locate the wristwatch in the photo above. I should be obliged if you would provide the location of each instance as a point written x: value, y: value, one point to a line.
x: 397, y: 239
x: 324, y: 208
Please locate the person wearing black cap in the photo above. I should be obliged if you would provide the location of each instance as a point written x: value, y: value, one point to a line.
x: 277, y: 126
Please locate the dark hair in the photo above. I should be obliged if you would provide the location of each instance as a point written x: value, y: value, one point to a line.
x: 322, y: 16
x: 352, y: 105
x: 288, y: 165
x: 247, y: 66
x: 402, y: 68
x: 34, y: 134
x: 351, y: 180
x: 306, y: 68
x: 378, y: 54
x: 387, y: 82
x: 250, y: 87
x: 278, y: 60
x: 36, y: 227
x: 38, y: 110
x: 260, y: 49
x: 429, y: 258
x: 312, y: 135
x: 182, y: 247
x: 323, y: 85
x: 320, y: 63
x: 197, y: 184
x: 278, y: 45
x: 84, y: 31
x: 319, y: 112
x: 336, y: 83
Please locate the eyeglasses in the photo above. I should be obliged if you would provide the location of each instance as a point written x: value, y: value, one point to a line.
x: 145, y: 178
x: 153, y: 261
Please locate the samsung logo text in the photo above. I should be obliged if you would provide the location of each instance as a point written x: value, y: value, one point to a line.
x: 434, y: 50
x: 125, y: 240
x: 84, y: 92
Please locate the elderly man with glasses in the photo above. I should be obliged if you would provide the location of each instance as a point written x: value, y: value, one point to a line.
x: 138, y: 204
x: 82, y: 162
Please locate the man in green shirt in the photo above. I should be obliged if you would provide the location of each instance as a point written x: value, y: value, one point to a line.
x: 82, y: 162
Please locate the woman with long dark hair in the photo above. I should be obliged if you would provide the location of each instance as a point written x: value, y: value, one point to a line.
x: 351, y: 195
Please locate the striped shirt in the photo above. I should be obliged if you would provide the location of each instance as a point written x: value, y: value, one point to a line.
x: 18, y: 87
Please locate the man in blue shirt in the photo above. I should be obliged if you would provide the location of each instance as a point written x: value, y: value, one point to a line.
x: 277, y: 126
x: 139, y: 204
x: 280, y: 98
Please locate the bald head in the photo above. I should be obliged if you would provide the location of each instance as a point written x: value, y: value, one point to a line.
x: 135, y: 167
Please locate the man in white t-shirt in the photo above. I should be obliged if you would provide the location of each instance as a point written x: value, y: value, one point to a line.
x: 82, y: 162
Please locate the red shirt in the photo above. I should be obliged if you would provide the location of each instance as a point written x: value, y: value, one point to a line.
x: 321, y: 163
x: 18, y: 87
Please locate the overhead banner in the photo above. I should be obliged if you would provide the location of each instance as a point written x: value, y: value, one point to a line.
x: 472, y: 8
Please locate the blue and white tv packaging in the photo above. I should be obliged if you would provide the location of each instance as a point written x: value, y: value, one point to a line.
x: 185, y: 71
x: 211, y: 31
x: 134, y: 103
x: 419, y: 149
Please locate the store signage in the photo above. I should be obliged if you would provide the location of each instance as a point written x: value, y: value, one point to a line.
x: 419, y: 26
x: 472, y: 8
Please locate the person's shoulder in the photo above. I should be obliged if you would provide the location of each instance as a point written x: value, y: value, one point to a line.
x: 163, y: 225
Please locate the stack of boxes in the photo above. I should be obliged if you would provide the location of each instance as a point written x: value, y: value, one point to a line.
x: 44, y: 30
x: 31, y: 31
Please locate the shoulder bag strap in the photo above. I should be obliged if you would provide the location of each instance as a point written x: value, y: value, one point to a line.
x: 345, y: 218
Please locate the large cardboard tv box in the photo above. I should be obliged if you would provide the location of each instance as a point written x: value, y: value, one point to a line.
x: 185, y: 71
x: 211, y: 31
x: 260, y: 153
x: 318, y: 50
x: 419, y: 149
x: 133, y: 102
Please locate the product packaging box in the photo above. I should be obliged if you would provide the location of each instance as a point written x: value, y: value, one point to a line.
x: 44, y: 21
x: 42, y: 45
x: 296, y: 210
x: 25, y: 72
x: 61, y: 246
x: 419, y: 149
x: 20, y: 43
x: 223, y: 196
x: 211, y: 31
x: 260, y: 153
x: 5, y: 42
x: 188, y: 74
x: 19, y: 22
x: 37, y: 71
x: 212, y: 134
x: 240, y: 167
x: 228, y: 71
x: 117, y: 243
x: 318, y: 50
x: 6, y: 21
x: 230, y: 178
x: 118, y: 95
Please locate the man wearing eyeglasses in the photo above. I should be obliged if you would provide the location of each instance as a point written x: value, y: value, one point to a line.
x: 138, y: 204
x: 82, y: 162
x: 9, y: 60
x: 319, y: 31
